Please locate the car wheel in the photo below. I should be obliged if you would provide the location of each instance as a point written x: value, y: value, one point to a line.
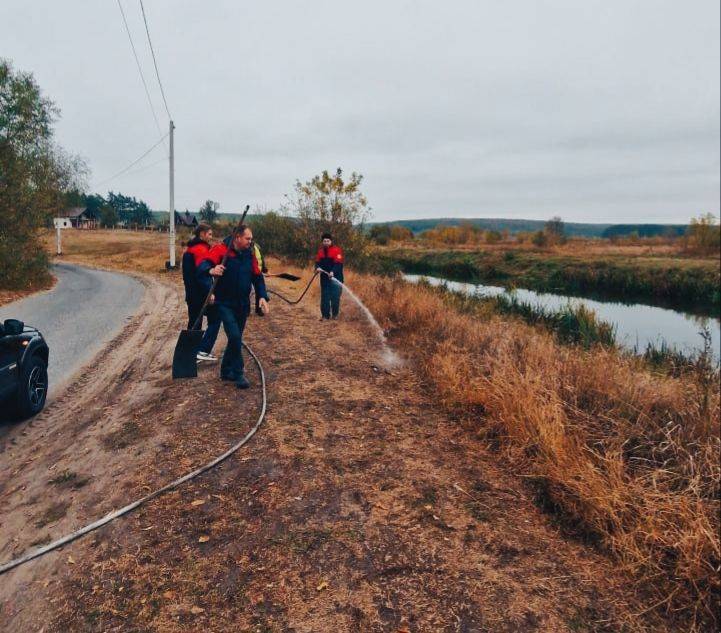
x: 33, y: 388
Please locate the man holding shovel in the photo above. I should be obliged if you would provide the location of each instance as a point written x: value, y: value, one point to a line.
x: 240, y: 273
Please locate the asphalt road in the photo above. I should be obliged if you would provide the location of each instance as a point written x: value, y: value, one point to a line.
x: 84, y: 310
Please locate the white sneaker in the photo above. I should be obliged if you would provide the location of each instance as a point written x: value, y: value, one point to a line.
x: 205, y: 356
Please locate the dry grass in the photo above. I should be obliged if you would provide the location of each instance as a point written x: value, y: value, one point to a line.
x: 8, y: 296
x: 581, y: 249
x: 574, y: 247
x: 630, y: 458
x: 139, y: 251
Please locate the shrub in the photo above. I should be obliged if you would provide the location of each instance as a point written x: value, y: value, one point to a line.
x: 331, y: 203
x: 34, y: 174
x: 539, y: 239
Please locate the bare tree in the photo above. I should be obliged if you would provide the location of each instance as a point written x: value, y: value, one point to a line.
x: 330, y: 203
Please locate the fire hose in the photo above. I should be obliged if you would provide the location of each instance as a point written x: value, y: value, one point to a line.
x: 69, y: 538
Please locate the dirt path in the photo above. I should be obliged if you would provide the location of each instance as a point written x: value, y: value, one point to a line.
x: 359, y: 506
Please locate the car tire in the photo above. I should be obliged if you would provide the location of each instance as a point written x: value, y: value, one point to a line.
x: 32, y: 388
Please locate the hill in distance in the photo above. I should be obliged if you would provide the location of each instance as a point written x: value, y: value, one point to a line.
x: 575, y: 229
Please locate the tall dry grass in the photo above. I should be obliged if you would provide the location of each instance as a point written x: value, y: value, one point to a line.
x: 630, y: 457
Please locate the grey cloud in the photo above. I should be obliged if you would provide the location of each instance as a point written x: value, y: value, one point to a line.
x: 595, y: 109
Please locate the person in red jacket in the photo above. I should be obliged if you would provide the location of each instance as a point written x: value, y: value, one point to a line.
x: 196, y: 251
x: 237, y: 277
x: 330, y: 260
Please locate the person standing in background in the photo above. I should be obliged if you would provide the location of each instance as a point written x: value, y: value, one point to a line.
x: 196, y: 251
x: 263, y: 269
x: 329, y: 260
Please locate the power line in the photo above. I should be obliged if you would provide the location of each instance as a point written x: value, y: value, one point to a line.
x: 135, y: 162
x: 155, y: 63
x: 164, y: 159
x: 140, y: 70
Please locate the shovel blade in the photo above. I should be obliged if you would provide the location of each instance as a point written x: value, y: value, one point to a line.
x: 185, y: 364
x: 287, y: 276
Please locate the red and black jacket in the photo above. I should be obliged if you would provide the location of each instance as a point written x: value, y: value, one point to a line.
x: 241, y: 274
x: 195, y: 253
x: 330, y: 259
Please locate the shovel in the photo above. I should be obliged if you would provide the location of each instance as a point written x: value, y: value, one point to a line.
x: 185, y: 364
x: 287, y: 276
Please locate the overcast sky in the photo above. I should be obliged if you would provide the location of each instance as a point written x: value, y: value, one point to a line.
x: 595, y: 110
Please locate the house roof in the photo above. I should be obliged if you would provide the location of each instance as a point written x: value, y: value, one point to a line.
x: 74, y: 212
x: 188, y: 219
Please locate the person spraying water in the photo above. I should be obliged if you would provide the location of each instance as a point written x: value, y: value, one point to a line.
x: 329, y: 260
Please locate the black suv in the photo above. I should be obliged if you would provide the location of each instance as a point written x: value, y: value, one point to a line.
x: 23, y: 368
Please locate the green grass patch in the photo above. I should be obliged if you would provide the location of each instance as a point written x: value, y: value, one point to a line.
x: 571, y: 324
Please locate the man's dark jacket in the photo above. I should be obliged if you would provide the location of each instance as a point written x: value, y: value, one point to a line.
x: 241, y: 274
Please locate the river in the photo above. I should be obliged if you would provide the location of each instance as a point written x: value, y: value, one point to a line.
x: 637, y: 325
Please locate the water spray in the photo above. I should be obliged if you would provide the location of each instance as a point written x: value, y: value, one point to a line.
x: 389, y: 358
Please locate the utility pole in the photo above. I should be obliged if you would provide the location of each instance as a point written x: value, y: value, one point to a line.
x: 171, y: 210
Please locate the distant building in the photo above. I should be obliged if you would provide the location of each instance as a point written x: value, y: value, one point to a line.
x: 78, y: 218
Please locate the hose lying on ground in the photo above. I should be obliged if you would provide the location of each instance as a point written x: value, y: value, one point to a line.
x: 302, y: 294
x: 132, y: 506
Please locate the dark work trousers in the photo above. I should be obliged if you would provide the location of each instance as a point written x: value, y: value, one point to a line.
x: 233, y: 319
x: 211, y: 313
x: 330, y: 299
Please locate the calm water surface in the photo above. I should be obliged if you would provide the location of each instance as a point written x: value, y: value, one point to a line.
x: 636, y: 325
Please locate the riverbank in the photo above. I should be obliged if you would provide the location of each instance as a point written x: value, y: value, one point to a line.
x: 691, y: 284
x: 624, y: 457
x: 659, y: 334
